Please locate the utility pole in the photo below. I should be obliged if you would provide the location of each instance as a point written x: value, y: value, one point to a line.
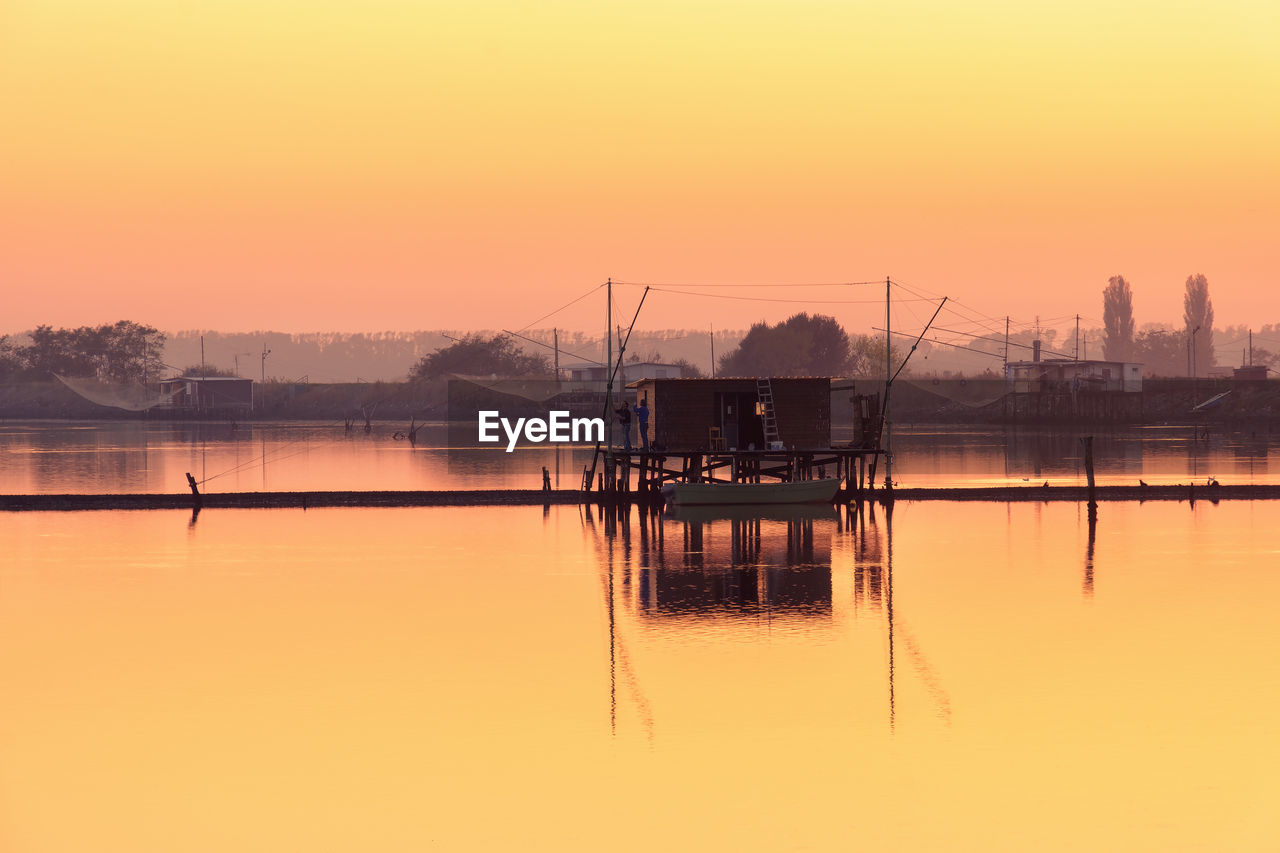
x: 1194, y: 366
x: 1006, y: 343
x: 262, y: 388
x: 608, y: 368
x: 713, y: 350
x: 1077, y: 337
x: 555, y: 340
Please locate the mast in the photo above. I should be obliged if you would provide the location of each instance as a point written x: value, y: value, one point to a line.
x: 608, y: 388
x: 888, y: 371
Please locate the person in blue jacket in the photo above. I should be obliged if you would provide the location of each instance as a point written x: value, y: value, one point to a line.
x: 642, y: 419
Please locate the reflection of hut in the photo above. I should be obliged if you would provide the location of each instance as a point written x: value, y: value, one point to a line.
x: 740, y: 563
x: 207, y: 393
x: 688, y: 414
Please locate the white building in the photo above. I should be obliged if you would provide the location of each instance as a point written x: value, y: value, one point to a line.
x: 631, y: 372
x: 1067, y: 375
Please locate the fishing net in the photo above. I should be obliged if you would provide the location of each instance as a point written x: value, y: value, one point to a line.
x: 131, y: 398
x: 973, y: 393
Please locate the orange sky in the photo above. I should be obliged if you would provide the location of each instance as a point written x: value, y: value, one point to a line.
x: 404, y: 165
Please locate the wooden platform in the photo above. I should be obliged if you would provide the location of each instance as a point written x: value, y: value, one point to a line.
x: 640, y: 473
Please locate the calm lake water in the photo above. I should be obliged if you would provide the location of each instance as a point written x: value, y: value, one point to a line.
x: 953, y: 676
x: 140, y: 456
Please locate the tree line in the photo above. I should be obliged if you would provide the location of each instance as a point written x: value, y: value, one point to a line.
x: 123, y: 352
x: 1162, y: 352
x: 802, y: 345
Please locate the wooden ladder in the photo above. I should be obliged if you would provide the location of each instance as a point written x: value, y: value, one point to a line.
x: 764, y: 391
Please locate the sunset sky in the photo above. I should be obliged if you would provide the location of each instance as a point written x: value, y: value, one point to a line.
x: 392, y: 164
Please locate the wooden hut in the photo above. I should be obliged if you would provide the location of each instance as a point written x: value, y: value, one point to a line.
x: 735, y: 413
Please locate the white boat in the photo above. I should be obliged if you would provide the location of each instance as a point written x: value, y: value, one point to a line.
x: 756, y: 494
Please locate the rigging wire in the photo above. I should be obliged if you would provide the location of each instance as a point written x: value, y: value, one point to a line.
x: 659, y: 284
x: 942, y: 343
x: 550, y: 347
x: 562, y: 307
x: 661, y: 289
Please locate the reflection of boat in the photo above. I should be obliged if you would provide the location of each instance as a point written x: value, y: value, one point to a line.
x: 755, y: 494
x: 746, y: 512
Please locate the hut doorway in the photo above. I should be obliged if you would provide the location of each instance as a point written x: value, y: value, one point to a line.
x: 740, y: 420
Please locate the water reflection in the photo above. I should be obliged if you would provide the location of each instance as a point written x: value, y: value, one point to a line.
x: 147, y: 456
x: 722, y: 562
x: 726, y: 569
x: 404, y: 669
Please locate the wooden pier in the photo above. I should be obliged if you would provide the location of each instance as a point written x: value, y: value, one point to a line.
x: 1179, y: 493
x: 637, y: 475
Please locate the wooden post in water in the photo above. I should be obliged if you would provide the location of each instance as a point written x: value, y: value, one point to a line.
x: 1087, y: 441
x: 195, y: 491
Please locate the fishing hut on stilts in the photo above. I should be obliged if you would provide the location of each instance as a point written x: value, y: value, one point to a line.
x: 740, y: 430
x: 734, y: 430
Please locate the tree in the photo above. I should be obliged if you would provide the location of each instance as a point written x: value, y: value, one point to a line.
x: 478, y: 355
x: 866, y: 355
x: 1197, y: 315
x: 1117, y: 318
x: 688, y: 369
x: 207, y: 370
x: 10, y: 360
x: 1161, y: 352
x: 121, y: 352
x: 802, y: 345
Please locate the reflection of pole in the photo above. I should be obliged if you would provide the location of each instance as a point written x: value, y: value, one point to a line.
x: 888, y: 562
x: 1087, y: 441
x: 613, y: 664
x: 1088, y: 555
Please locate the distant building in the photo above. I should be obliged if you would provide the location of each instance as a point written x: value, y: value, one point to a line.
x: 1067, y: 375
x: 1250, y: 373
x: 207, y: 393
x: 630, y: 372
x: 727, y: 414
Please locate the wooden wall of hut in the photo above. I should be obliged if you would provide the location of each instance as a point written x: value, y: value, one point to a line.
x: 683, y: 411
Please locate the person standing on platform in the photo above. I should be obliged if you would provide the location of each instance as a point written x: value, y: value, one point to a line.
x: 642, y: 418
x: 624, y: 422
